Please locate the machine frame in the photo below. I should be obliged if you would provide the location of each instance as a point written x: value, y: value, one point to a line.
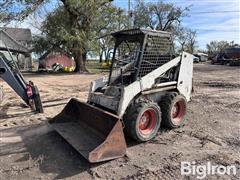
x: 142, y: 83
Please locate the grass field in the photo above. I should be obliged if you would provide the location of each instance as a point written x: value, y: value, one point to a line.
x: 93, y: 66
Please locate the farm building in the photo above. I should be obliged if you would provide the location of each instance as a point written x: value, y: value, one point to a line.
x: 50, y: 58
x: 17, y: 40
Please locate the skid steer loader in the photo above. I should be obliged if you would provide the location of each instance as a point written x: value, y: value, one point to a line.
x: 147, y: 87
x: 10, y: 73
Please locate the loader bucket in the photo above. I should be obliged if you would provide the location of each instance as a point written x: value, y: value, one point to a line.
x: 96, y: 134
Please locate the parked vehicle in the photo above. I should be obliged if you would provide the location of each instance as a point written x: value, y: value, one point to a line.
x: 219, y: 59
x: 233, y: 56
x: 196, y: 59
x: 230, y: 56
x: 202, y: 56
x: 232, y: 53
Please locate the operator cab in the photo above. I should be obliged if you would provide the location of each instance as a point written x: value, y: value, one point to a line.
x: 138, y: 52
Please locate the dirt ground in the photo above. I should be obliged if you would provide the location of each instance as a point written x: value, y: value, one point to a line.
x: 30, y: 149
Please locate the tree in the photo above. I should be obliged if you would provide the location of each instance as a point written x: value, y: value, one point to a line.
x: 191, y: 41
x: 166, y: 17
x: 181, y: 35
x: 79, y: 13
x: 143, y: 16
x: 9, y: 12
x: 186, y: 38
x: 56, y: 30
x: 111, y: 19
x: 216, y: 47
x: 56, y: 34
x: 158, y: 15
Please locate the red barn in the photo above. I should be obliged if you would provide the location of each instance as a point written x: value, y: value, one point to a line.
x: 51, y: 58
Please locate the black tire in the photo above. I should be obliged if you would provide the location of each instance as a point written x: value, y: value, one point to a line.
x: 169, y: 104
x: 142, y: 121
x: 37, y: 100
x: 1, y: 94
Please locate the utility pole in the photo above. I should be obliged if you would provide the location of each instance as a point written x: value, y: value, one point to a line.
x: 129, y: 14
x: 119, y: 19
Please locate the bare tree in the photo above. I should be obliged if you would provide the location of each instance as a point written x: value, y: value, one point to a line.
x: 216, y: 47
x: 191, y: 41
x: 186, y: 38
x: 158, y: 15
x: 181, y: 36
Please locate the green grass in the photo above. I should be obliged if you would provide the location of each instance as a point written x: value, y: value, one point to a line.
x: 96, y: 67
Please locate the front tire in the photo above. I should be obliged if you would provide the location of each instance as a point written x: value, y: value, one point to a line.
x: 142, y: 121
x: 174, y: 109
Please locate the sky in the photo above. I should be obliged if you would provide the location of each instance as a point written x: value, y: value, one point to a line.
x: 212, y: 19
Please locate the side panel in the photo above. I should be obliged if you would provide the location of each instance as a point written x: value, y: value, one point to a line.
x: 103, y: 100
x: 184, y: 85
x: 99, y: 83
x: 144, y: 83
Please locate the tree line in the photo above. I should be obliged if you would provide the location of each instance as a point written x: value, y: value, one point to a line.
x: 80, y: 27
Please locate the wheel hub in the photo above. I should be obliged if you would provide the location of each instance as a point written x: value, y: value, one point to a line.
x: 144, y: 121
x: 178, y: 111
x: 175, y: 110
x: 148, y: 121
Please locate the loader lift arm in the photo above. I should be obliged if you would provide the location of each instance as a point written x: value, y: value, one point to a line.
x: 28, y: 92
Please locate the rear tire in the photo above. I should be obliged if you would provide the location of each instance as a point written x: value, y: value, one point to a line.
x: 173, y: 108
x: 142, y: 121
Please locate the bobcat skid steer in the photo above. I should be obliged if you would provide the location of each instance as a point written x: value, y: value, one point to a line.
x: 147, y: 87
